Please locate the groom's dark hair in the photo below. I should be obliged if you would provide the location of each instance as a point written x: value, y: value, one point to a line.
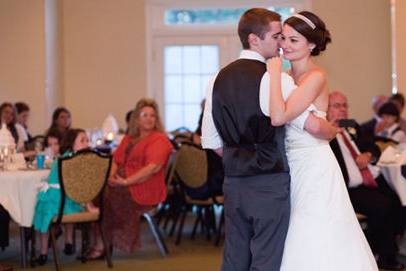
x: 255, y: 21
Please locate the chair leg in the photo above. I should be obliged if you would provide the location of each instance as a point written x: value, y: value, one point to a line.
x: 85, y: 242
x: 175, y: 223
x: 160, y: 214
x: 54, y: 246
x: 23, y: 245
x: 219, y: 230
x: 182, y: 223
x: 106, y: 244
x: 157, y: 234
x: 206, y: 220
x: 33, y: 240
x: 198, y: 219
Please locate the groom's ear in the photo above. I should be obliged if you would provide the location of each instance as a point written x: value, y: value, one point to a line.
x: 253, y: 40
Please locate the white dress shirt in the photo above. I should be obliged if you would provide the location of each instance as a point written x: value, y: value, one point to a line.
x: 210, y: 137
x: 354, y: 174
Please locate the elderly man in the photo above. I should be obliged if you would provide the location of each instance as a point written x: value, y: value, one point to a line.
x: 355, y: 154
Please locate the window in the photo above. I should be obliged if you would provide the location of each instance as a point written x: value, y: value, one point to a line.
x: 214, y: 16
x: 187, y: 69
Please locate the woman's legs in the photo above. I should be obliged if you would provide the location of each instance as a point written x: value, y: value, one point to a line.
x: 69, y: 249
x: 43, y: 257
x: 44, y: 243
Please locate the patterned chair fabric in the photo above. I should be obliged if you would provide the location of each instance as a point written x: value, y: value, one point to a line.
x: 84, y: 175
x: 191, y: 165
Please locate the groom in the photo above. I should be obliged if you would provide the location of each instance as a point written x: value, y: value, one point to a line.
x: 236, y: 125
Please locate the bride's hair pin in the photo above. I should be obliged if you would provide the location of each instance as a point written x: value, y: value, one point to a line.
x: 305, y: 19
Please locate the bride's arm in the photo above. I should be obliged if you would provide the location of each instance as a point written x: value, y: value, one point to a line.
x: 298, y: 101
x: 320, y: 128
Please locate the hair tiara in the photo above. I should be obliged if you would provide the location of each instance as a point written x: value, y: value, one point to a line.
x: 305, y: 19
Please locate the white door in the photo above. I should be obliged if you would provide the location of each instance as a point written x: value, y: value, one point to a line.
x: 182, y: 67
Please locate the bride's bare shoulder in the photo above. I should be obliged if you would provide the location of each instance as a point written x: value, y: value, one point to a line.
x: 317, y: 74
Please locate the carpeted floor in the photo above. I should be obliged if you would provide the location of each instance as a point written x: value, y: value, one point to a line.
x: 190, y: 255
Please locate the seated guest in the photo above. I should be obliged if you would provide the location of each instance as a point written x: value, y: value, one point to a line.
x: 389, y: 118
x: 52, y: 145
x: 127, y: 120
x: 215, y: 174
x: 137, y: 179
x: 368, y: 190
x: 369, y: 126
x: 23, y: 113
x: 4, y: 227
x: 8, y: 117
x: 61, y: 121
x: 48, y: 200
x: 399, y: 100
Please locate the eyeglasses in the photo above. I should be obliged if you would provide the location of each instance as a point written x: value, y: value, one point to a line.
x: 339, y: 105
x: 145, y: 115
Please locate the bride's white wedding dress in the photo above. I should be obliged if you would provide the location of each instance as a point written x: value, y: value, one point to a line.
x: 324, y: 233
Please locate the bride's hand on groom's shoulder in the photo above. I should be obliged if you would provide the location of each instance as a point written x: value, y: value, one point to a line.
x: 274, y: 65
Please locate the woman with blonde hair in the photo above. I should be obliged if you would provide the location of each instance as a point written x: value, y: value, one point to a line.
x: 137, y: 179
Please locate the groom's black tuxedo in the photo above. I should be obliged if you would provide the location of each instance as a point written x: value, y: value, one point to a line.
x: 381, y: 205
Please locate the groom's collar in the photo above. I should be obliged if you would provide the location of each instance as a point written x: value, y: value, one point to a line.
x: 249, y: 54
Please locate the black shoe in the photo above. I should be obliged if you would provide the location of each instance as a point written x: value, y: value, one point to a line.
x: 69, y: 249
x: 42, y: 259
x: 390, y: 264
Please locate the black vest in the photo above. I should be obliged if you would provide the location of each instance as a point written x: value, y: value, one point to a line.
x: 251, y: 145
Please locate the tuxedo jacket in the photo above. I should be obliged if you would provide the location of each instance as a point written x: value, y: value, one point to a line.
x: 364, y: 143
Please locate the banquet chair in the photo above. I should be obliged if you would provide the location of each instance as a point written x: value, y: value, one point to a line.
x: 156, y: 233
x: 83, y: 177
x: 190, y: 170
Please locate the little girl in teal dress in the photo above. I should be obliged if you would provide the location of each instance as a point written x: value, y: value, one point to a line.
x: 49, y: 198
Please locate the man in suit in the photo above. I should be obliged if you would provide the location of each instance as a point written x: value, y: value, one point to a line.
x: 236, y: 126
x: 356, y: 153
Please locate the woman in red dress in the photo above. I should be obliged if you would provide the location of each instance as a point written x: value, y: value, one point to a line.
x: 137, y: 179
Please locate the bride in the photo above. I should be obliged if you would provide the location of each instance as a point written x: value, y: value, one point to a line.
x: 324, y: 233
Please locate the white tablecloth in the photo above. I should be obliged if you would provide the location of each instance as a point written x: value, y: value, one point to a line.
x: 393, y: 175
x: 18, y: 193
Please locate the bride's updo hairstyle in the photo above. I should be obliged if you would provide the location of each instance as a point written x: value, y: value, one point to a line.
x: 312, y: 28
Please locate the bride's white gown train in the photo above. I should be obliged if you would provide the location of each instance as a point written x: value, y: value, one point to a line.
x: 324, y: 233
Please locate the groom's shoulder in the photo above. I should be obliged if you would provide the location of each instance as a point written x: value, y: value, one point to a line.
x: 243, y: 65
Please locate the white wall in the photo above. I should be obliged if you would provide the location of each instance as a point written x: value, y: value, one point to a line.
x: 22, y: 57
x: 103, y: 64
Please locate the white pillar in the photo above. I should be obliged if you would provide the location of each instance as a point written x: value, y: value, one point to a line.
x: 53, y: 56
